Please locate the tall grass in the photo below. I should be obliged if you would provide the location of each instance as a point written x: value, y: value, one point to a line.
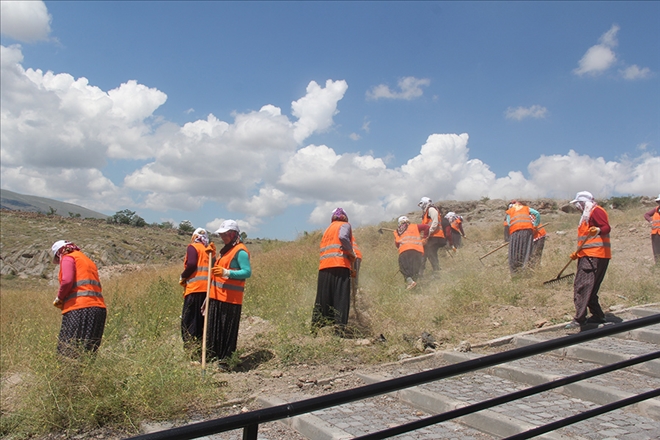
x: 142, y: 372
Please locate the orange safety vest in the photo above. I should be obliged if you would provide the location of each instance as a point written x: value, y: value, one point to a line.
x: 332, y: 252
x: 597, y: 246
x: 86, y: 290
x: 538, y: 233
x: 226, y: 289
x: 519, y: 218
x: 655, y: 222
x: 427, y: 220
x: 409, y: 240
x: 199, y: 279
x: 456, y: 224
x: 356, y: 249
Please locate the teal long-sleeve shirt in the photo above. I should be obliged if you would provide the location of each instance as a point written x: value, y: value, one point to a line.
x: 239, y: 267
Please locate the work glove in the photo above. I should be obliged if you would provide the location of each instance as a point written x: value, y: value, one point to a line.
x: 353, y: 273
x: 221, y: 272
x: 424, y: 241
x: 574, y: 256
x: 351, y: 257
x: 594, y: 230
x: 182, y: 282
x: 58, y: 303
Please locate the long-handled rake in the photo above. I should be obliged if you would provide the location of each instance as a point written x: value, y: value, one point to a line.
x: 559, y: 278
x: 493, y: 251
x: 206, y: 312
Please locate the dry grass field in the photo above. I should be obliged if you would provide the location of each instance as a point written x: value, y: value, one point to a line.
x: 141, y: 372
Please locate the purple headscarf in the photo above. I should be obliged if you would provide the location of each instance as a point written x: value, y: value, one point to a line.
x: 339, y: 214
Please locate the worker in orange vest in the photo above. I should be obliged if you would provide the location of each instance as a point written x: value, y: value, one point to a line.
x: 333, y: 292
x: 593, y: 259
x: 455, y: 232
x: 80, y: 298
x: 432, y: 216
x: 409, y: 240
x: 653, y: 217
x: 521, y: 226
x: 200, y: 254
x: 538, y: 239
x: 230, y: 271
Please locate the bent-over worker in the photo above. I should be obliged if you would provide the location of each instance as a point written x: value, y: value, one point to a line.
x: 80, y: 298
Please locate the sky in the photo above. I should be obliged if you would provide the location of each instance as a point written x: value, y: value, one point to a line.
x: 275, y: 113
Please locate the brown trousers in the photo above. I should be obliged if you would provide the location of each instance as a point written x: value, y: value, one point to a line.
x: 589, y: 276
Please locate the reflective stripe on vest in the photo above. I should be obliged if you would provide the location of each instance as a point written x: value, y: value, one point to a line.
x: 86, y: 291
x: 655, y: 222
x: 519, y: 218
x: 226, y: 289
x: 427, y: 220
x: 199, y: 279
x: 332, y: 252
x: 597, y: 246
x: 409, y: 240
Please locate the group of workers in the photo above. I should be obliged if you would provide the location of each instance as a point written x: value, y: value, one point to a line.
x: 221, y: 273
x: 221, y: 276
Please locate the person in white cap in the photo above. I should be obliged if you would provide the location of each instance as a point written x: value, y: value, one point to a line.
x: 409, y: 240
x: 593, y: 257
x: 333, y: 289
x: 194, y: 279
x: 230, y: 271
x: 81, y: 300
x: 432, y: 216
x: 653, y: 217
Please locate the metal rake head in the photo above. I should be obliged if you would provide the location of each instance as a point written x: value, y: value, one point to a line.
x: 559, y: 279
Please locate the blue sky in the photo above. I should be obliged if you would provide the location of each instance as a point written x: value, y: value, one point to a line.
x: 275, y: 113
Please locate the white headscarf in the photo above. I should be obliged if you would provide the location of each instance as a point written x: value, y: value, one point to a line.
x: 451, y: 216
x: 584, y: 201
x: 200, y: 236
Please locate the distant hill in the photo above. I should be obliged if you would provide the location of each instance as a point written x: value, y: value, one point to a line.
x: 20, y: 202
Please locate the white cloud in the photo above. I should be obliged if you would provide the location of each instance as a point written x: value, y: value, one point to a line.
x: 600, y: 57
x: 59, y: 132
x: 410, y: 88
x: 316, y: 109
x: 635, y: 72
x: 520, y: 113
x: 26, y: 21
x: 354, y: 136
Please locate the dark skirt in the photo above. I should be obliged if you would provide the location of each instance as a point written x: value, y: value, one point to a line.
x: 222, y: 332
x: 410, y: 264
x: 655, y: 244
x: 456, y: 238
x: 520, y: 249
x: 192, y: 323
x: 333, y: 297
x: 82, y: 330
